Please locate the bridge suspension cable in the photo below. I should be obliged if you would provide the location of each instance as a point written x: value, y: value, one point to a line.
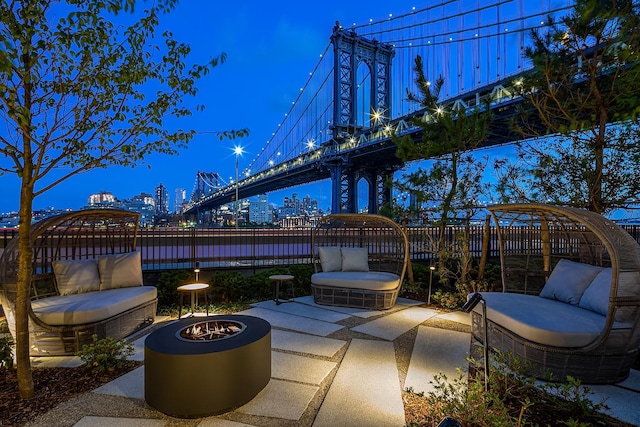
x: 472, y: 44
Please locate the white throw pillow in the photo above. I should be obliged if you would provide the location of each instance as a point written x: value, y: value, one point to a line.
x: 568, y: 281
x: 355, y: 259
x: 596, y: 296
x: 76, y: 276
x: 330, y: 258
x: 120, y: 271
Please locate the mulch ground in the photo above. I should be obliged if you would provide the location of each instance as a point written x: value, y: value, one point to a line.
x: 52, y: 387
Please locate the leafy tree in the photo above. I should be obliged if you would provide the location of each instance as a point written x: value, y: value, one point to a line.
x: 77, y: 92
x: 583, y: 92
x: 453, y: 182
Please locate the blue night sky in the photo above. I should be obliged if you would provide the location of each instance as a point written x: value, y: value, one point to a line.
x: 271, y: 49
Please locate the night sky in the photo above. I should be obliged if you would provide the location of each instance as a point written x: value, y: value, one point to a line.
x: 271, y: 48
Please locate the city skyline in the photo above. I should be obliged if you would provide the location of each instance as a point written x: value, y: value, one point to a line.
x: 270, y: 52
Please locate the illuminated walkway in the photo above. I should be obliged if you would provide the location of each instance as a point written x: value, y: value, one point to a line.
x: 331, y: 366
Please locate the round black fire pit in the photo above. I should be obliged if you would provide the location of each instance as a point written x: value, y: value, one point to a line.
x: 206, y: 365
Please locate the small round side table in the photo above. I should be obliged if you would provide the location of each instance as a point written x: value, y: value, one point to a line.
x: 279, y: 279
x: 193, y: 289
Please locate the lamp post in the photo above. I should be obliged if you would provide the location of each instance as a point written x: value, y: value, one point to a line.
x: 473, y: 300
x: 238, y: 152
x: 432, y: 267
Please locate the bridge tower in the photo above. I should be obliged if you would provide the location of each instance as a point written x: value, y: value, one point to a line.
x: 205, y: 184
x: 351, y: 51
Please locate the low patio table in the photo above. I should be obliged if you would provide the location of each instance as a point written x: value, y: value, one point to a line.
x: 278, y: 280
x: 193, y: 289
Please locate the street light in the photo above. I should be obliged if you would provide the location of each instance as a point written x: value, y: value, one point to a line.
x: 238, y: 152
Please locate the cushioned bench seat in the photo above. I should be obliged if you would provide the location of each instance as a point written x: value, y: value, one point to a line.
x: 371, y: 280
x: 91, y: 307
x: 544, y: 321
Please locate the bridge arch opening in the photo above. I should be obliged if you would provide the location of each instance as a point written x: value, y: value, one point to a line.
x: 363, y: 95
x: 362, y: 198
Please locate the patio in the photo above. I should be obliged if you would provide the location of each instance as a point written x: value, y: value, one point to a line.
x: 331, y: 366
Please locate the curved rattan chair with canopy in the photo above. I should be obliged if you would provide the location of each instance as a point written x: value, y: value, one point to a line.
x: 532, y: 239
x: 387, y: 250
x: 78, y: 235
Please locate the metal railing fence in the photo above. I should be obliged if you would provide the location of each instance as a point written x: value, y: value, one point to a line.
x: 173, y: 248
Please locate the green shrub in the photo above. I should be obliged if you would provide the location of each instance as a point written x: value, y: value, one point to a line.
x: 6, y: 353
x: 260, y: 285
x: 511, y: 398
x: 226, y: 286
x: 302, y: 273
x: 106, y: 354
x: 168, y: 283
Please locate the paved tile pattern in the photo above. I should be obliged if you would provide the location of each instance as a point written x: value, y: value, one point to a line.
x: 304, y: 311
x: 435, y: 352
x: 366, y: 390
x: 296, y: 323
x: 302, y: 343
x: 301, y: 369
x: 393, y: 325
x: 281, y: 399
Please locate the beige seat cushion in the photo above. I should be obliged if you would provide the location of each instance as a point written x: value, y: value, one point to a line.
x: 372, y: 280
x: 330, y: 258
x: 544, y: 321
x: 91, y: 307
x: 355, y: 259
x: 120, y: 270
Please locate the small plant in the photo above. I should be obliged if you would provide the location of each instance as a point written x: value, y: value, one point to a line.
x: 450, y: 300
x: 6, y: 352
x: 168, y: 284
x: 106, y: 354
x: 573, y: 397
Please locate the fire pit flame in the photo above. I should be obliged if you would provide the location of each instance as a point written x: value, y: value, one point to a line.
x: 211, y: 330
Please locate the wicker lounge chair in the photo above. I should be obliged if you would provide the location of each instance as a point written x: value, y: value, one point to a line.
x: 64, y: 316
x: 360, y: 261
x: 564, y: 317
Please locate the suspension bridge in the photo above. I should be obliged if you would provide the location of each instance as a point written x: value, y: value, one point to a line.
x: 340, y: 125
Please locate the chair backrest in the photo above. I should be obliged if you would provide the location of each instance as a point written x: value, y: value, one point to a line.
x: 76, y: 235
x: 386, y: 241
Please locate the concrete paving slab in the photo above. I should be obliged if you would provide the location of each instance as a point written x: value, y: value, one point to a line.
x: 622, y: 403
x: 90, y: 421
x: 281, y: 399
x: 138, y: 349
x: 408, y: 302
x: 56, y: 362
x: 129, y: 385
x: 366, y: 389
x: 302, y: 369
x: 436, y: 351
x: 632, y: 382
x: 393, y: 325
x: 217, y: 422
x: 359, y: 312
x: 302, y: 343
x: 304, y: 310
x: 290, y: 321
x: 456, y: 316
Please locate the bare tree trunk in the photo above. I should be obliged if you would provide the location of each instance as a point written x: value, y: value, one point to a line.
x: 25, y: 254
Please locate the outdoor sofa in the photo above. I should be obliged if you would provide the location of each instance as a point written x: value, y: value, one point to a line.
x: 87, y: 279
x: 570, y: 304
x: 360, y: 261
